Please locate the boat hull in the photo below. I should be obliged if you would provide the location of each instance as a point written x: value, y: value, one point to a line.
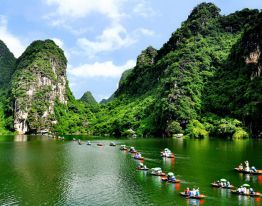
x: 141, y: 158
x: 256, y: 194
x: 193, y: 197
x: 258, y: 172
x: 162, y: 174
x: 219, y: 186
x: 142, y: 169
x: 170, y: 181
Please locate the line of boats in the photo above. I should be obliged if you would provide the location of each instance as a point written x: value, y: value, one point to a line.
x: 165, y: 177
x: 244, y: 190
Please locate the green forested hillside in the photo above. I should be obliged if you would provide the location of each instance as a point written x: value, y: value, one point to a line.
x: 7, y: 68
x: 88, y: 98
x: 7, y: 65
x: 204, y: 81
x: 236, y: 88
x: 42, y: 99
x: 169, y: 90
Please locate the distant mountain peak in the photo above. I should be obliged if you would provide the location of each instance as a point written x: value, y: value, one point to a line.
x: 88, y: 98
x: 205, y: 10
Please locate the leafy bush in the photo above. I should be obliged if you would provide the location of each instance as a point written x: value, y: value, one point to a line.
x: 197, y: 130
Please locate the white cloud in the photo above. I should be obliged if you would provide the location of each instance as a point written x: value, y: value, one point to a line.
x: 82, y: 8
x: 112, y: 38
x: 101, y: 69
x: 143, y: 9
x: 145, y: 32
x: 13, y: 43
x: 58, y: 42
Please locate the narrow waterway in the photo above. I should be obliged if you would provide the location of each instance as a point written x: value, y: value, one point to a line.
x: 36, y: 170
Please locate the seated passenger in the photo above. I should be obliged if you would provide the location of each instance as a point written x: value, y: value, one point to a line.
x: 239, y: 190
x: 251, y: 191
x: 240, y: 166
x: 253, y: 169
x: 187, y: 191
x: 193, y: 192
x: 171, y: 178
x: 197, y: 192
x: 247, y: 168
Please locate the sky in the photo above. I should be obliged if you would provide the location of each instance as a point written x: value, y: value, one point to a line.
x: 100, y: 38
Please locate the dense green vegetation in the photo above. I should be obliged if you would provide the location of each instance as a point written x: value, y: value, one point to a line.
x: 38, y: 70
x: 204, y: 81
x: 73, y: 118
x: 40, y: 55
x: 236, y: 87
x: 170, y: 90
x: 88, y: 98
x: 7, y: 68
x: 7, y: 65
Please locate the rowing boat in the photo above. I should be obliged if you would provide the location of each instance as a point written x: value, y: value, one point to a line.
x: 193, y: 197
x: 224, y: 187
x: 255, y: 194
x: 258, y: 172
x: 165, y: 179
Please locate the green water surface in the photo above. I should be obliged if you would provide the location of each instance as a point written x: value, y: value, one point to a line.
x: 37, y: 170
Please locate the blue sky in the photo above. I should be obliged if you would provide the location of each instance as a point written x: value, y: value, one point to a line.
x: 101, y: 38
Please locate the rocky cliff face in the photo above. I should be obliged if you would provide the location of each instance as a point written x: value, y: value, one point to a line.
x: 237, y: 86
x: 249, y: 107
x: 252, y: 48
x: 39, y: 81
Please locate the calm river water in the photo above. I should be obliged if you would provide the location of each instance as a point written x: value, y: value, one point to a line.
x: 40, y: 171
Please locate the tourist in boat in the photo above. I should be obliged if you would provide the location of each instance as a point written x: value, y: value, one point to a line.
x: 251, y: 191
x: 167, y: 153
x: 244, y: 190
x: 141, y: 166
x: 193, y: 192
x: 132, y: 149
x: 239, y: 189
x: 123, y: 147
x: 171, y: 176
x: 137, y: 155
x: 240, y: 166
x: 253, y: 169
x: 157, y: 171
x: 221, y: 183
x: 187, y: 190
x: 247, y: 168
x: 197, y: 192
